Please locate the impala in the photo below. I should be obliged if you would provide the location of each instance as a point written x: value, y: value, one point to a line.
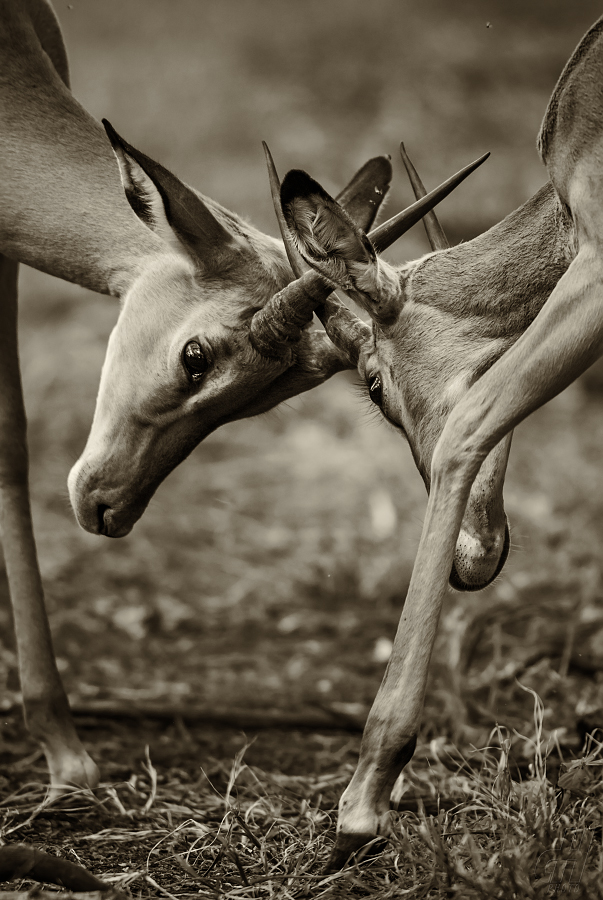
x: 465, y: 343
x: 205, y: 334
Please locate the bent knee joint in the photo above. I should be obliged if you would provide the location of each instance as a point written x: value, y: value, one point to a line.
x: 455, y: 460
x: 461, y: 448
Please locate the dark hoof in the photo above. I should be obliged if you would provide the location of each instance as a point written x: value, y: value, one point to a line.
x: 457, y: 582
x: 353, y: 848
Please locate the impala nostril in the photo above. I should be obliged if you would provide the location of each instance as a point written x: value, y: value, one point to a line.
x: 100, y: 511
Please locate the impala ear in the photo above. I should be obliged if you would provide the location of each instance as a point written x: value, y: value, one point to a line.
x: 166, y: 205
x: 330, y: 242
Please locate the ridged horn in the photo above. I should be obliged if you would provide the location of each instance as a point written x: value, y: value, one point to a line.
x: 435, y: 233
x: 345, y: 329
x: 282, y: 320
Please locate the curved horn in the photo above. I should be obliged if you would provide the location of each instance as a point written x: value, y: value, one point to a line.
x: 295, y: 259
x: 348, y: 332
x: 279, y: 324
x: 385, y: 235
x: 435, y: 233
x: 275, y: 327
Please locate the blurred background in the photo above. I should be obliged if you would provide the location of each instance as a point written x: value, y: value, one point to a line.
x: 271, y: 568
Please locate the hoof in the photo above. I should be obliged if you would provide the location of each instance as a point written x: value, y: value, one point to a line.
x: 457, y: 582
x: 71, y: 772
x: 353, y: 848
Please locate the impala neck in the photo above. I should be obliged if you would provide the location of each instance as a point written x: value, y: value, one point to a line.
x: 62, y: 207
x: 502, y: 278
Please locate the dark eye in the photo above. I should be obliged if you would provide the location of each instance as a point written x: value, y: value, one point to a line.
x: 194, y: 360
x: 376, y: 390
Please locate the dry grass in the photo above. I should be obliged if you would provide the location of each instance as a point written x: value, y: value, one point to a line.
x: 478, y: 828
x: 271, y: 568
x: 512, y: 811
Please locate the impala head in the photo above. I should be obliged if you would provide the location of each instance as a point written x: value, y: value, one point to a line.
x: 417, y: 360
x: 210, y: 331
x: 205, y: 335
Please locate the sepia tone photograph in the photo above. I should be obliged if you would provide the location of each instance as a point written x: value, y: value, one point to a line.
x: 301, y: 417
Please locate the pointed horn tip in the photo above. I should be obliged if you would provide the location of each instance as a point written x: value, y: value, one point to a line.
x: 468, y: 170
x: 385, y: 235
x: 471, y: 166
x: 405, y: 157
x: 478, y: 162
x: 460, y: 176
x: 272, y: 175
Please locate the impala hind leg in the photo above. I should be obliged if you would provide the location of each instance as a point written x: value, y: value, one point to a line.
x: 45, y: 704
x: 563, y: 340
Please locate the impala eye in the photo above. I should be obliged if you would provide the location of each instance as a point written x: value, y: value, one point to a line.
x: 194, y: 360
x: 376, y: 390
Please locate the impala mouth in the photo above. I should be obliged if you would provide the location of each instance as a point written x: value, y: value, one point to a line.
x: 100, y: 513
x: 109, y: 525
x: 459, y: 584
x: 103, y: 506
x: 97, y: 516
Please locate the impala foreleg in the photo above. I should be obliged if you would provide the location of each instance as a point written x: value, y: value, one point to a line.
x: 391, y: 731
x: 564, y: 339
x: 45, y: 703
